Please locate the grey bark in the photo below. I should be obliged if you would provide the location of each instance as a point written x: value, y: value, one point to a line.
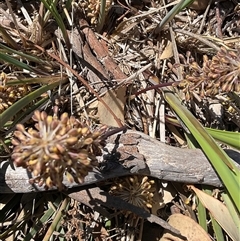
x: 130, y: 153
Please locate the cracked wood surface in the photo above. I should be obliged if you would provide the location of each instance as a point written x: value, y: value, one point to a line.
x: 130, y: 153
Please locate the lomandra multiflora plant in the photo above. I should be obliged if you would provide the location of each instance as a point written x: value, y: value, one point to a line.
x: 56, y: 147
x: 218, y: 75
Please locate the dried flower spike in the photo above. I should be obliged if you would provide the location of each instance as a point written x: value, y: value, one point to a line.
x: 10, y: 94
x: 92, y: 8
x: 220, y: 74
x: 56, y: 147
x: 136, y: 190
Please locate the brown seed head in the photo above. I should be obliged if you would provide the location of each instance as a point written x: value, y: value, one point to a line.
x: 55, y: 148
x: 220, y: 74
x: 10, y: 94
x: 136, y: 190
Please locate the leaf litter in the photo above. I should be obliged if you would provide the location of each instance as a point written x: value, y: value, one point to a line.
x: 123, y: 58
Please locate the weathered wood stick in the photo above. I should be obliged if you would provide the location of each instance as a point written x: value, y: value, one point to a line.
x: 130, y: 153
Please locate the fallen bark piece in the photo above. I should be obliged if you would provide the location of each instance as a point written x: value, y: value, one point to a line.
x: 130, y: 153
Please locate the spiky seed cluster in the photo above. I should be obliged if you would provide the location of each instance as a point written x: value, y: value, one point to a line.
x: 136, y: 190
x: 92, y: 8
x: 10, y: 94
x: 221, y: 74
x: 56, y: 147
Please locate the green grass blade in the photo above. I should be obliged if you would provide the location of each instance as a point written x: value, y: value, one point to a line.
x: 30, y: 110
x: 25, y: 56
x: 20, y: 104
x: 223, y: 165
x: 56, y: 219
x: 47, y: 215
x: 170, y: 15
x: 68, y: 4
x: 202, y: 216
x: 15, y: 62
x: 216, y: 227
x: 102, y: 15
x: 51, y: 6
x: 232, y: 209
x: 40, y: 80
x: 227, y: 137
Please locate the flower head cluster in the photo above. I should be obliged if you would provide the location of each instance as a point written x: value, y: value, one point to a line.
x: 92, y: 8
x: 10, y: 94
x: 56, y: 147
x: 136, y: 190
x: 220, y: 74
